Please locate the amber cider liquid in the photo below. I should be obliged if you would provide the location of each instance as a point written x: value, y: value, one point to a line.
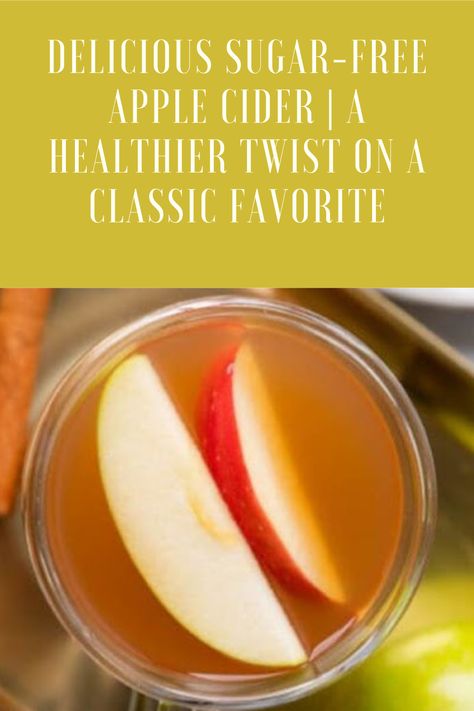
x: 349, y: 467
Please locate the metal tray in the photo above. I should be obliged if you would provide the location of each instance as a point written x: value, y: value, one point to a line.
x: 41, y: 669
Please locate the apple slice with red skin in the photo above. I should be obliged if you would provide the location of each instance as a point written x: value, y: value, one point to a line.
x: 176, y: 527
x: 248, y: 456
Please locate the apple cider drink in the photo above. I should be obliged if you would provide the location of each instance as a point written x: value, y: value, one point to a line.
x: 226, y: 497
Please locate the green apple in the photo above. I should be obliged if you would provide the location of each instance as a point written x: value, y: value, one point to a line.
x: 429, y: 671
x: 440, y: 600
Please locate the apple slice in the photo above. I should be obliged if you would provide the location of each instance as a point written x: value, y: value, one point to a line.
x: 176, y: 527
x: 247, y: 453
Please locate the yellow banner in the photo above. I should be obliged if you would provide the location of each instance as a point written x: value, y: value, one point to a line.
x: 236, y: 143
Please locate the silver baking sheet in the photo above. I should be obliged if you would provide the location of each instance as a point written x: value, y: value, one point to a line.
x: 42, y: 669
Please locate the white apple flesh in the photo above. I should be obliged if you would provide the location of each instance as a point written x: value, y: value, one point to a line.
x: 178, y: 530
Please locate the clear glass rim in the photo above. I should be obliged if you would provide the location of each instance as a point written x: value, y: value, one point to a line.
x: 344, y: 654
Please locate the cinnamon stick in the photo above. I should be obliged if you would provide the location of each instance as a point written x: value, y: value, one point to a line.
x: 22, y: 316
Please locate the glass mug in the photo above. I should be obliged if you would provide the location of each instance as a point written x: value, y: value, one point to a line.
x: 343, y: 652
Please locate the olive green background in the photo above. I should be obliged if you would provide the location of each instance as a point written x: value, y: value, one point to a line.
x: 427, y: 239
